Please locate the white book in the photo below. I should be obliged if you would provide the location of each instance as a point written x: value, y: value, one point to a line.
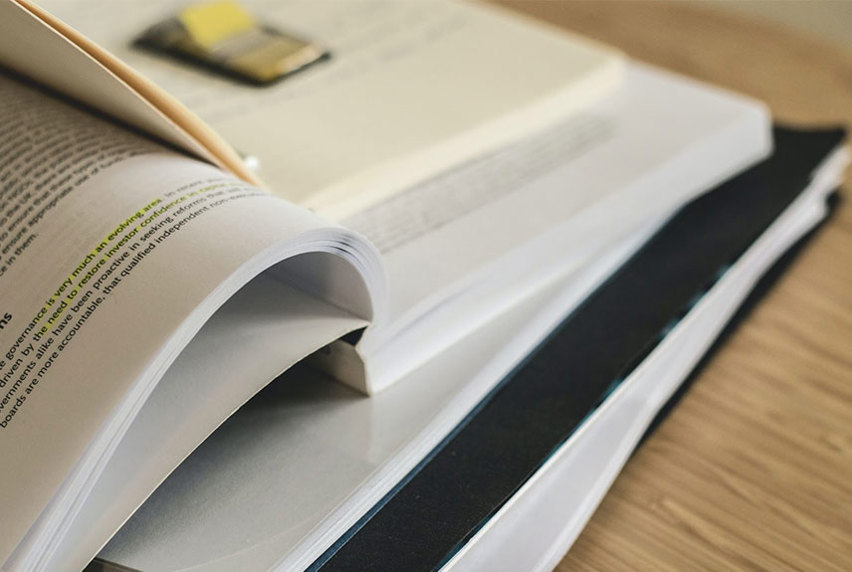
x: 148, y: 290
x: 324, y: 458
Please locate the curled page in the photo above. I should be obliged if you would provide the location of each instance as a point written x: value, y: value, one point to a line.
x: 114, y: 253
x: 40, y: 46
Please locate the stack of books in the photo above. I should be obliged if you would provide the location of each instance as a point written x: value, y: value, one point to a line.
x: 411, y: 307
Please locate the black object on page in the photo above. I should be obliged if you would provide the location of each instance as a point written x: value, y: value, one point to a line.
x: 444, y: 501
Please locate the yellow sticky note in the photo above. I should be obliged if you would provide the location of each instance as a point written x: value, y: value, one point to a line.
x: 212, y: 22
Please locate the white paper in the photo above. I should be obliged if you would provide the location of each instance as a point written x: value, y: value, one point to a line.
x: 115, y: 252
x: 477, y: 239
x: 411, y: 88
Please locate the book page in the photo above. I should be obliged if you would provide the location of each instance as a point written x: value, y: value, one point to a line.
x: 410, y: 89
x: 37, y: 45
x: 286, y: 489
x: 114, y: 251
x: 467, y: 244
x: 201, y: 388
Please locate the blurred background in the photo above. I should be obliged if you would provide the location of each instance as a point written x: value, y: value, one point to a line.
x: 830, y: 20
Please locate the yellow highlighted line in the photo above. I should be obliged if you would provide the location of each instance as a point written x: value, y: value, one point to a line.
x: 71, y: 281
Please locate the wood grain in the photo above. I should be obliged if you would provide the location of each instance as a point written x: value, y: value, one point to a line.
x: 753, y: 470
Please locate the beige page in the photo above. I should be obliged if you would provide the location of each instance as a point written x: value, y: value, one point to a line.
x: 43, y: 48
x: 411, y: 89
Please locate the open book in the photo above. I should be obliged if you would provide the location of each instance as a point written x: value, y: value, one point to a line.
x: 150, y: 283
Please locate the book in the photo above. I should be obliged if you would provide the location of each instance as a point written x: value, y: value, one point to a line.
x: 554, y: 425
x: 409, y: 230
x: 568, y: 419
x: 151, y: 286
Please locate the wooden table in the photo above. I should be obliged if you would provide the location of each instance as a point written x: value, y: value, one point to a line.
x: 754, y: 468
